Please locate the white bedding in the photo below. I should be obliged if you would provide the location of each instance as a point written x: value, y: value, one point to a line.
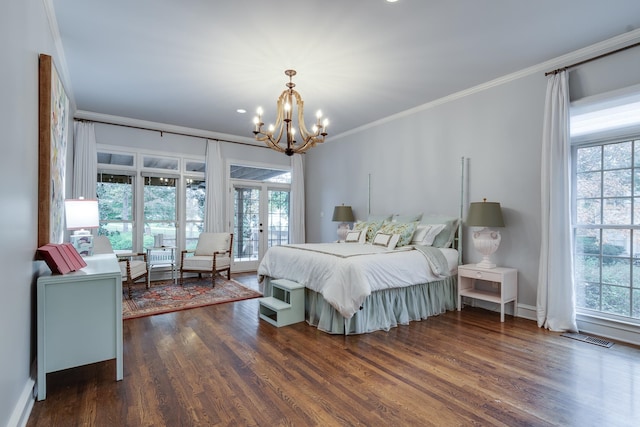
x: 345, y: 274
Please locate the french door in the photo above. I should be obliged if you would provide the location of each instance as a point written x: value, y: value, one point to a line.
x: 260, y: 220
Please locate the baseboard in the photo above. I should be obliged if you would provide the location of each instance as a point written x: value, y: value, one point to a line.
x: 618, y: 331
x: 605, y: 328
x: 22, y: 410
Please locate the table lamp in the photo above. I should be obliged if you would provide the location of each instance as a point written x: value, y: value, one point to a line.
x: 486, y: 241
x: 343, y: 214
x: 81, y: 216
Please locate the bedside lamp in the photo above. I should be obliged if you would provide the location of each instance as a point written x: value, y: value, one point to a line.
x: 82, y: 215
x: 485, y: 214
x: 343, y: 214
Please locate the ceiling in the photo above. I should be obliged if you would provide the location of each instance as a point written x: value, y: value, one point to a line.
x: 193, y: 63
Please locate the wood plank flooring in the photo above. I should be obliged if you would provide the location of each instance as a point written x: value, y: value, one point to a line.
x: 221, y: 365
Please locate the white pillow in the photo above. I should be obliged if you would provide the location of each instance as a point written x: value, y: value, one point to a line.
x: 356, y: 236
x: 428, y: 234
x: 419, y: 235
x: 387, y: 240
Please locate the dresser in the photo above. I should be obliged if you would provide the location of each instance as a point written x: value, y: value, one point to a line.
x: 79, y: 318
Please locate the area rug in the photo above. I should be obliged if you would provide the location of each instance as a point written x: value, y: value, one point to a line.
x: 165, y: 297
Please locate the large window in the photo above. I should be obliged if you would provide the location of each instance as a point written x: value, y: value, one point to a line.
x: 605, y: 135
x: 607, y: 235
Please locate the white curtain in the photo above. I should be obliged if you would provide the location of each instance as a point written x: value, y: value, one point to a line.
x: 213, y: 209
x: 85, y: 161
x: 296, y: 216
x: 556, y: 297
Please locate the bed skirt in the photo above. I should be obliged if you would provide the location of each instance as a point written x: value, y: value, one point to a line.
x: 382, y: 310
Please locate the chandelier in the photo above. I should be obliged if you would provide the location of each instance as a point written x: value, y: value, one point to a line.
x: 284, y: 126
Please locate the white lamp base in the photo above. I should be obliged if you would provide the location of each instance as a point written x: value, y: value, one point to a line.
x: 343, y: 229
x: 486, y: 242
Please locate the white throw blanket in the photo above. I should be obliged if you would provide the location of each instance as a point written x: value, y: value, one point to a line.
x: 346, y: 273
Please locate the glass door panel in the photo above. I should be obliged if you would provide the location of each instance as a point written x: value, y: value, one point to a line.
x: 247, y: 227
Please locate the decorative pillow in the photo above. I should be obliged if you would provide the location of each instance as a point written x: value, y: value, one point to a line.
x: 407, y: 218
x: 404, y: 229
x: 425, y: 234
x: 379, y: 218
x: 358, y: 236
x: 444, y: 239
x: 370, y: 228
x: 387, y: 240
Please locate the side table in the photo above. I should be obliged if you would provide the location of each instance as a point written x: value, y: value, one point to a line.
x: 505, y: 278
x: 161, y: 256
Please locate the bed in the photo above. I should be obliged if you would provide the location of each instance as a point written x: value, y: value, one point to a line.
x: 383, y: 275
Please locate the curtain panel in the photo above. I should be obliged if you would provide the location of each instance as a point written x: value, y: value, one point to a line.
x: 556, y: 295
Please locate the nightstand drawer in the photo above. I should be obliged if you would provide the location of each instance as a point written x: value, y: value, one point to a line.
x: 485, y: 275
x: 491, y: 276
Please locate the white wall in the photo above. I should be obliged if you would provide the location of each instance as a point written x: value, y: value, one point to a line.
x: 24, y: 33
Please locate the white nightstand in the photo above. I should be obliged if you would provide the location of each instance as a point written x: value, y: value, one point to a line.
x: 506, y: 280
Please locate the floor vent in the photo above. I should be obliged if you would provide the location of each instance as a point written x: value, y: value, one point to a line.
x: 588, y: 339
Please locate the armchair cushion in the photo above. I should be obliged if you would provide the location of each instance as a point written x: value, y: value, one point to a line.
x: 208, y: 243
x: 205, y: 263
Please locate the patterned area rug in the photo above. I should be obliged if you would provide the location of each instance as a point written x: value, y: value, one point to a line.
x: 165, y: 297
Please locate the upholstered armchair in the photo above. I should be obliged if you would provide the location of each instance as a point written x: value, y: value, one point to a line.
x: 211, y: 255
x: 133, y: 266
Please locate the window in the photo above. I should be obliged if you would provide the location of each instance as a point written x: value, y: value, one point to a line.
x: 142, y: 195
x: 606, y: 208
x: 607, y: 230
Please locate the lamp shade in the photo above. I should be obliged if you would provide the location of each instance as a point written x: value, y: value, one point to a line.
x: 81, y: 214
x: 343, y: 214
x: 485, y: 214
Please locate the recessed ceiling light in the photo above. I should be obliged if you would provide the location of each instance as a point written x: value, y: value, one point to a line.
x: 241, y: 110
x: 391, y: 1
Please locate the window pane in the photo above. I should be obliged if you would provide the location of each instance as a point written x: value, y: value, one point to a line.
x: 115, y: 159
x: 587, y: 241
x: 615, y: 271
x: 160, y: 163
x: 589, y: 159
x: 617, y: 211
x: 120, y: 234
x: 616, y: 183
x: 616, y: 300
x: 589, y: 184
x: 588, y: 295
x: 260, y: 174
x: 616, y: 242
x: 246, y: 223
x: 194, y: 166
x: 588, y: 211
x: 195, y: 199
x: 159, y: 210
x: 617, y: 155
x: 194, y: 211
x: 587, y: 268
x: 636, y: 304
x: 278, y: 218
x: 115, y: 196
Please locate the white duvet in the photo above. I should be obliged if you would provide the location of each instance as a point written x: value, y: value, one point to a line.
x: 345, y: 274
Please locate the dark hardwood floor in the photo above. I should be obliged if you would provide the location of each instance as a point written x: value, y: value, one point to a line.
x: 221, y: 365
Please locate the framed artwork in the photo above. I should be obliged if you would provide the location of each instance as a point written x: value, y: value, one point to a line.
x: 52, y: 153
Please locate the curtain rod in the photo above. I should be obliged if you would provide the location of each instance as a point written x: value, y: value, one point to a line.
x: 592, y: 59
x: 170, y: 132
